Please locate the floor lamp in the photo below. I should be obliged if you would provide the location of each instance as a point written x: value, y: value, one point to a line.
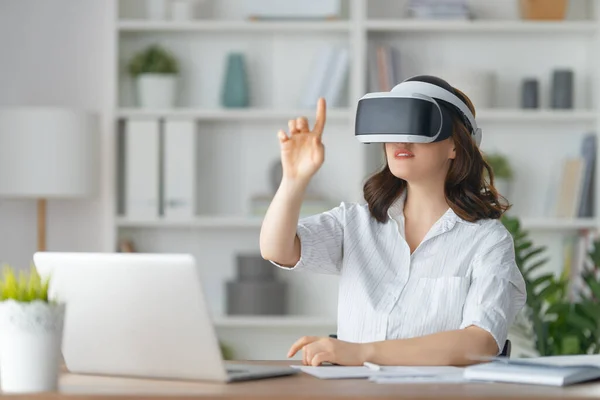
x: 45, y: 154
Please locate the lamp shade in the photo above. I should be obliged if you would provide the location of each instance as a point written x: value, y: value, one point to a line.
x: 48, y: 153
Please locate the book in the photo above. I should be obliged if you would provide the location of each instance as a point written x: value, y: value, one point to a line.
x: 551, y: 370
x: 179, y: 166
x: 319, y: 76
x: 569, y: 191
x: 142, y: 168
x: 588, y: 153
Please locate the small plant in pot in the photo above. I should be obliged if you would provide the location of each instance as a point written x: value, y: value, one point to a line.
x: 31, y: 331
x: 155, y: 72
x: 503, y: 172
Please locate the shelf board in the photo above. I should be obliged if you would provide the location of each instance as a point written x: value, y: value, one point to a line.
x: 553, y: 116
x: 285, y: 321
x: 197, y: 222
x: 219, y: 114
x: 299, y: 27
x: 498, y: 26
x: 549, y: 224
x: 233, y: 222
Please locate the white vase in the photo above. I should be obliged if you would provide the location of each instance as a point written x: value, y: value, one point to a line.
x: 156, y: 9
x: 156, y: 90
x: 30, y: 346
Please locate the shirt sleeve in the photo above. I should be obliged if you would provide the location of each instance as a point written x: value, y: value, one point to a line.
x: 497, y: 292
x: 321, y: 240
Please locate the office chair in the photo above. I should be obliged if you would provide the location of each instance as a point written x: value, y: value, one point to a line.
x: 505, y: 351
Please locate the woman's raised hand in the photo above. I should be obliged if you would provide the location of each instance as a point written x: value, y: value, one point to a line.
x: 302, y: 152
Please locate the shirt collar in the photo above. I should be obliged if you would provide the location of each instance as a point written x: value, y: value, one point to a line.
x: 446, y: 222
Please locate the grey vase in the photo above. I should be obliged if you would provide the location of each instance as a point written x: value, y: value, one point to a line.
x: 235, y: 85
x: 562, y: 89
x: 530, y: 94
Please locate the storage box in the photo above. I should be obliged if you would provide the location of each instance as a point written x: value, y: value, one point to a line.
x: 544, y: 9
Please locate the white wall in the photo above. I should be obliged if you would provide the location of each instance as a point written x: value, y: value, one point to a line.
x: 54, y: 53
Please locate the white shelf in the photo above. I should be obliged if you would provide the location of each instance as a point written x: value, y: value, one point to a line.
x: 233, y: 222
x: 553, y: 116
x: 249, y: 114
x: 299, y: 27
x: 285, y: 321
x: 500, y: 26
x: 198, y: 222
x: 550, y: 224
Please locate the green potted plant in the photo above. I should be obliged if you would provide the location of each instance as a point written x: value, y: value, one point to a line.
x: 31, y: 330
x: 553, y: 323
x: 503, y: 172
x: 155, y: 72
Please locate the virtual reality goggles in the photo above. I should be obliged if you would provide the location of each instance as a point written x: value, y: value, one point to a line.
x: 412, y: 112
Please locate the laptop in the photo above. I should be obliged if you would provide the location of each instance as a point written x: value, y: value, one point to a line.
x: 139, y: 315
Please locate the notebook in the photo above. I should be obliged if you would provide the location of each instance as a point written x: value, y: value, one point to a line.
x: 552, y: 371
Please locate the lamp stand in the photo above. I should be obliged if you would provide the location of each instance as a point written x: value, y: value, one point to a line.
x: 41, y: 224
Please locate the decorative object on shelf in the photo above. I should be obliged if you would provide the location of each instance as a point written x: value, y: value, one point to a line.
x: 256, y: 291
x: 553, y: 321
x: 530, y: 93
x: 126, y: 246
x: 306, y: 9
x: 235, y: 83
x: 183, y: 10
x: 503, y: 173
x: 155, y: 71
x: 48, y: 152
x: 156, y: 9
x: 544, y: 9
x: 562, y: 89
x: 478, y: 84
x: 439, y: 9
x: 31, y: 333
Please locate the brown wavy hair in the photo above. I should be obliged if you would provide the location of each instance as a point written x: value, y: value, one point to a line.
x: 469, y: 191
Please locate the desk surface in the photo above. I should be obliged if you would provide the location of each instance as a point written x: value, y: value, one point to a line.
x: 80, y: 387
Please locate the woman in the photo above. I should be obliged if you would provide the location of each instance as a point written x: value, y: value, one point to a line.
x: 427, y: 270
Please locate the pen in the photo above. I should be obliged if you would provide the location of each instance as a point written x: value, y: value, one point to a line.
x: 372, y: 366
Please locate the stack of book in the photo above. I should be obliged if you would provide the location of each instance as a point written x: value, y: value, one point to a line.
x: 576, y: 191
x: 439, y: 9
x: 384, y: 61
x: 328, y: 77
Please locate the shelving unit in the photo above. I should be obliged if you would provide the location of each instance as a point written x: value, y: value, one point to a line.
x: 238, y: 146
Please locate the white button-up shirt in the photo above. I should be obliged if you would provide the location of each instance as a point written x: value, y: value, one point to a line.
x: 461, y: 274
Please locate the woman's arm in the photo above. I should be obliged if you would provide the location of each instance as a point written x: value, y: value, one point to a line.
x: 302, y: 154
x: 457, y: 348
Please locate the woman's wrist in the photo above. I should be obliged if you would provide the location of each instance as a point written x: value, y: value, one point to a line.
x: 367, y: 351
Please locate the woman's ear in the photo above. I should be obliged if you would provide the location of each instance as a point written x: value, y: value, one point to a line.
x: 452, y: 150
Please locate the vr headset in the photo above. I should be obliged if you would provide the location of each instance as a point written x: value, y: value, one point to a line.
x: 412, y: 112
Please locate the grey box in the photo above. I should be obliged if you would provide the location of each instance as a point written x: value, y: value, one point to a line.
x: 252, y: 267
x: 256, y: 298
x: 562, y: 89
x: 530, y: 94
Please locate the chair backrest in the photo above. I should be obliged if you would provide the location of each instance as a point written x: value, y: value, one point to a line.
x: 505, y: 351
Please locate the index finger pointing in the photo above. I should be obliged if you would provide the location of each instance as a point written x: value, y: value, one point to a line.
x: 321, y: 115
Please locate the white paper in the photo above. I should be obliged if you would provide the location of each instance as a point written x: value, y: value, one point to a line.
x: 341, y: 372
x: 584, y: 360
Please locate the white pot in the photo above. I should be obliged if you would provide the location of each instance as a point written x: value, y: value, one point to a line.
x: 182, y: 10
x: 503, y: 186
x: 30, y: 346
x: 156, y: 90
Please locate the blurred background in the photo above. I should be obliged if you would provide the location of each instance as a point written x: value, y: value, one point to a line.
x: 150, y: 126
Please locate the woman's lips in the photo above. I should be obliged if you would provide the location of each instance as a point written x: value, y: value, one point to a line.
x: 403, y: 153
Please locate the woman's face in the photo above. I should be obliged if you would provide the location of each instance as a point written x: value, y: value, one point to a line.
x: 418, y: 162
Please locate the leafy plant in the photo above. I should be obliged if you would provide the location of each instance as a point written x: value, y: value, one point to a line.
x: 558, y: 325
x: 27, y: 287
x: 500, y: 165
x: 226, y: 351
x: 153, y: 60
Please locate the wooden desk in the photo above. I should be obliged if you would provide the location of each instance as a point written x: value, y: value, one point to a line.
x: 80, y: 387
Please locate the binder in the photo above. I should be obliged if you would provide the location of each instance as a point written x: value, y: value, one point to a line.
x: 179, y: 166
x: 142, y: 169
